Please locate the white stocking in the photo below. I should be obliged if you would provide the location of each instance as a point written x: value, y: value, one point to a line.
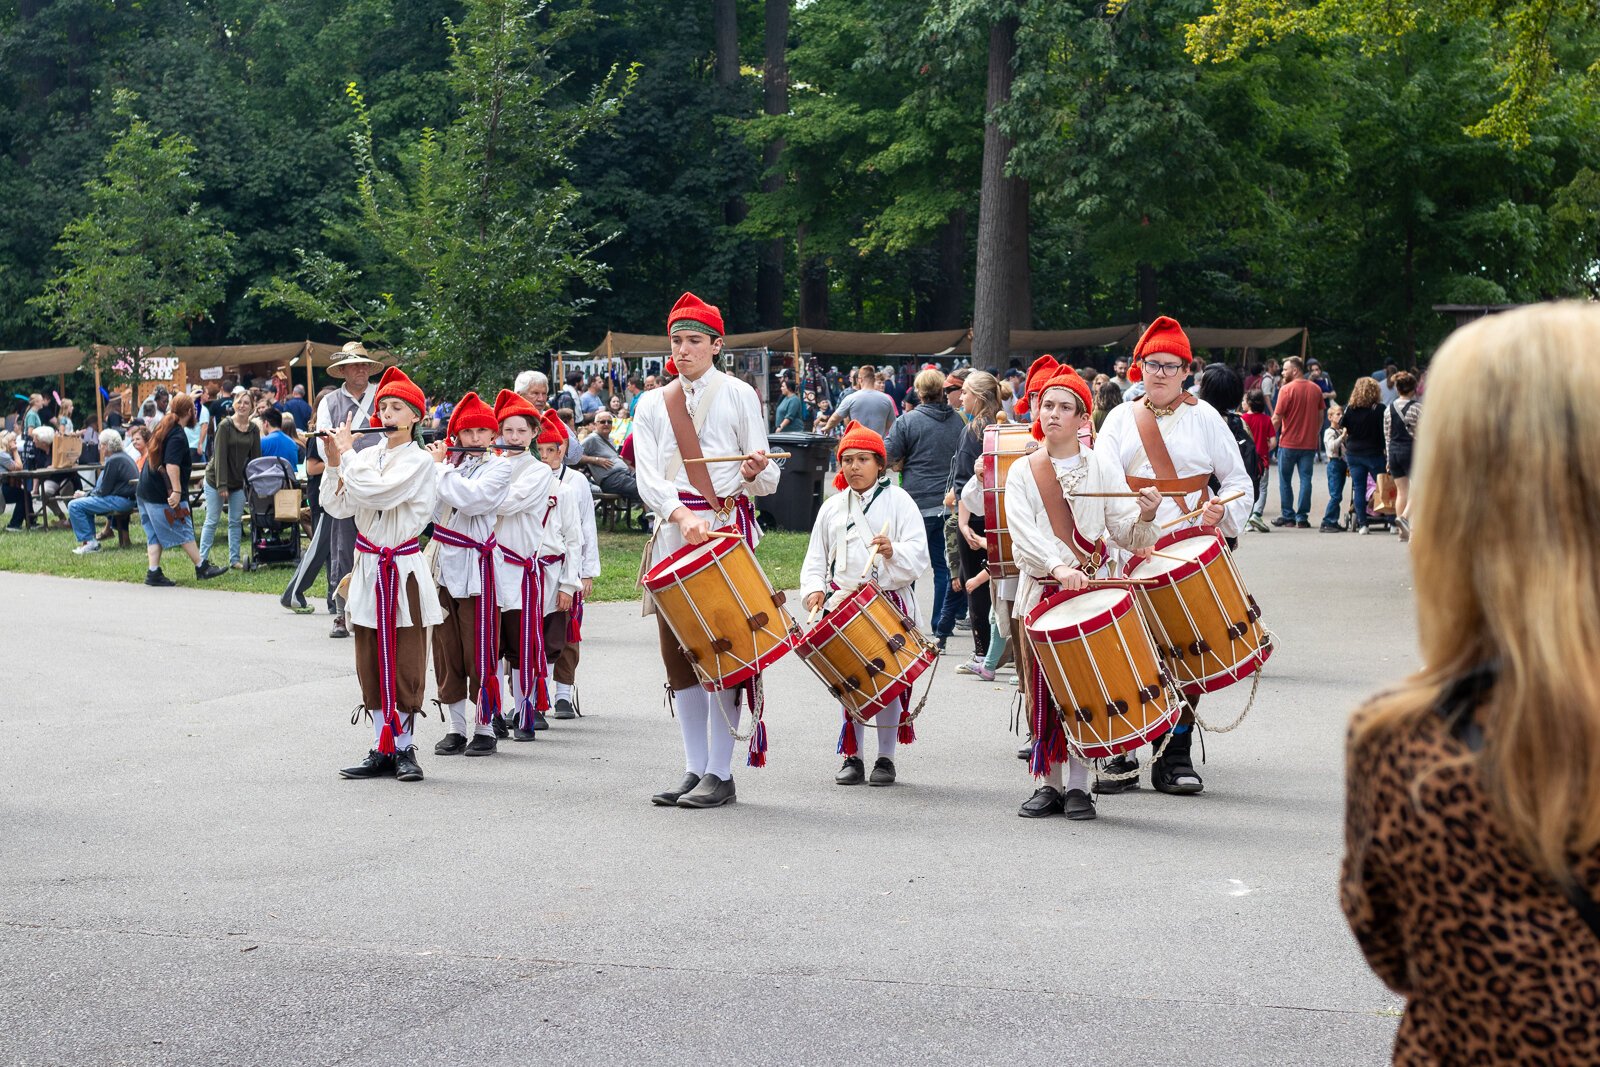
x: 692, y: 706
x: 724, y: 719
x: 458, y: 717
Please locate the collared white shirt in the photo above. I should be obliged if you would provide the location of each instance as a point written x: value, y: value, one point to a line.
x: 841, y: 542
x: 474, y: 490
x: 392, y: 493
x: 732, y: 425
x: 533, y: 521
x: 1199, y: 442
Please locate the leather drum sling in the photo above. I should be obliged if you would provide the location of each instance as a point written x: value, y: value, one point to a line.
x: 683, y: 432
x: 1059, y: 512
x: 1155, y: 450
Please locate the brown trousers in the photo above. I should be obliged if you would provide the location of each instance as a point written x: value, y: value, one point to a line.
x: 411, y: 661
x: 555, y: 636
x: 455, y: 649
x: 680, y: 674
x: 566, y: 664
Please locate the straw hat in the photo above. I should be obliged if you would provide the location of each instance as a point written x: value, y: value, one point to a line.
x: 353, y: 354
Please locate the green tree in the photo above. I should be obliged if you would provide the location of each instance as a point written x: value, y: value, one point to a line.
x: 476, y: 226
x: 145, y: 263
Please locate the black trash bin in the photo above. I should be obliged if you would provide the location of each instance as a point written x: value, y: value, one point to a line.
x: 800, y: 489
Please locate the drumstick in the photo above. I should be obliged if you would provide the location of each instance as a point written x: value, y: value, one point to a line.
x: 1169, y: 555
x: 1181, y: 519
x: 814, y: 613
x: 874, y: 553
x: 1119, y: 583
x: 725, y: 534
x: 1108, y: 496
x: 736, y: 459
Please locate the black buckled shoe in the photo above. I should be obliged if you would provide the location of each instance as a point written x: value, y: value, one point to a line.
x: 376, y: 765
x: 452, y: 744
x: 854, y: 772
x: 540, y: 722
x: 882, y: 772
x: 519, y: 734
x: 406, y: 767
x: 711, y: 792
x: 501, y: 730
x: 1117, y: 765
x: 1077, y: 805
x: 1046, y: 800
x: 563, y: 709
x: 1174, y: 772
x: 668, y: 798
x: 482, y: 745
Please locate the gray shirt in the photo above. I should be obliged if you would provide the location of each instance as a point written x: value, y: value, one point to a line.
x: 869, y: 407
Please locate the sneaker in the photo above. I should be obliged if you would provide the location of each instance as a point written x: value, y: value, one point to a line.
x: 1405, y: 530
x: 1258, y: 524
x: 157, y: 578
x: 1174, y: 772
x: 963, y: 625
x: 971, y: 666
x: 1363, y: 530
x: 981, y: 671
x: 339, y: 628
x: 452, y: 744
x: 208, y: 570
x: 86, y: 548
x: 1325, y: 528
x: 563, y: 709
x: 501, y: 730
x: 482, y: 745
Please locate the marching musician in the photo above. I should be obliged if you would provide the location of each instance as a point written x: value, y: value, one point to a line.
x: 1060, y: 543
x: 528, y: 535
x: 391, y: 493
x: 576, y: 496
x: 709, y: 413
x: 472, y: 486
x: 872, y: 523
x: 1173, y: 441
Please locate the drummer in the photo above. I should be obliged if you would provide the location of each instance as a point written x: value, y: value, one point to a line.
x: 870, y: 520
x: 718, y: 415
x: 1176, y: 442
x: 1050, y: 561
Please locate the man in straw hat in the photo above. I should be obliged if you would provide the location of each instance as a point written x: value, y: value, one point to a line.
x: 354, y: 397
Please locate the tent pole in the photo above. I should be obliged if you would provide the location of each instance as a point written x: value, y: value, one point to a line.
x: 99, y: 410
x: 1305, y: 335
x: 311, y: 387
x: 799, y: 366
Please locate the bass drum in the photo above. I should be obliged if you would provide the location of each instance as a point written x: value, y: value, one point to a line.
x: 1003, y: 444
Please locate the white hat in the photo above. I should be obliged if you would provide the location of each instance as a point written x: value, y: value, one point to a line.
x: 353, y: 354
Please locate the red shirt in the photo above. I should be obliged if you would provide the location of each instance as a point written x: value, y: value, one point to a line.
x: 1299, y: 413
x: 1259, y: 423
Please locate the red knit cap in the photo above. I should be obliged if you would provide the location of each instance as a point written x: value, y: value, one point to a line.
x: 395, y: 383
x: 508, y: 404
x: 692, y: 313
x: 471, y: 413
x: 553, y: 431
x: 1064, y: 378
x: 1042, y: 368
x: 858, y: 438
x: 1164, y: 335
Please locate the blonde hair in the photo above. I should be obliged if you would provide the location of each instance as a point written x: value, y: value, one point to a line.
x: 1524, y: 595
x: 929, y: 385
x: 1364, y: 394
x: 986, y: 387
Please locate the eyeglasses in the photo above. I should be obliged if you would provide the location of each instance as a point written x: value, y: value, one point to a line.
x: 1160, y: 370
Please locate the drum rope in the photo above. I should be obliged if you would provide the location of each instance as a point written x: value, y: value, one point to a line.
x: 1255, y: 684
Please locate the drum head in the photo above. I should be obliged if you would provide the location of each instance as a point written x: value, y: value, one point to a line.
x: 1191, y: 550
x: 688, y: 560
x: 1089, y: 610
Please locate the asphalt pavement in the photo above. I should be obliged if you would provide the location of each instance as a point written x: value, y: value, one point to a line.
x: 185, y: 880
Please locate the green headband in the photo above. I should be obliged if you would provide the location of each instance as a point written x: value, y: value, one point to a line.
x: 696, y: 326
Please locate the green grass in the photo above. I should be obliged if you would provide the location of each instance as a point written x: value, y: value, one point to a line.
x: 50, y: 552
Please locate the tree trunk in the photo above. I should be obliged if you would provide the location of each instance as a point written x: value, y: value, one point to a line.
x: 813, y: 286
x: 775, y: 101
x: 725, y: 31
x: 1148, y: 304
x: 1003, y: 300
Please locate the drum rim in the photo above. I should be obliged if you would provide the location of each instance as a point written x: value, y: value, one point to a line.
x: 1182, y: 570
x: 1252, y: 663
x: 1169, y: 720
x: 1093, y: 624
x: 655, y: 581
x: 906, y: 680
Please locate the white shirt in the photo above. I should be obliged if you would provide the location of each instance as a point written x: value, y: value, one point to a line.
x: 392, y: 493
x: 1034, y: 544
x: 732, y: 425
x: 534, y: 522
x: 841, y: 541
x: 475, y: 490
x: 1199, y: 442
x: 576, y: 486
x: 325, y: 420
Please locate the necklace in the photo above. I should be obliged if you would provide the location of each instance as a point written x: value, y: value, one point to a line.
x: 1159, y: 412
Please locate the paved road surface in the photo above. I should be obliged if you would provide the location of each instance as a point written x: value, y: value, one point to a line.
x: 184, y: 880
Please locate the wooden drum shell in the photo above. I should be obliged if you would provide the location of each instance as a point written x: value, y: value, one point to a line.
x: 866, y: 651
x: 1003, y: 444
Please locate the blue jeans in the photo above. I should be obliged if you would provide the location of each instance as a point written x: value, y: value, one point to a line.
x: 1361, y: 468
x: 208, y: 532
x: 82, y: 511
x: 1291, y: 460
x: 1337, y: 469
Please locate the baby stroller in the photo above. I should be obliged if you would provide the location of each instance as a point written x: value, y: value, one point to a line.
x: 271, y: 540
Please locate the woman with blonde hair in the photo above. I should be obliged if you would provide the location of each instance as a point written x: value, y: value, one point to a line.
x: 1472, y: 829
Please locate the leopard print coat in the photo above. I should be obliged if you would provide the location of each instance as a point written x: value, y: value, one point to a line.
x: 1495, y: 964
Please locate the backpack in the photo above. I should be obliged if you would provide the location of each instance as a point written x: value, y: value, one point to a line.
x: 1247, y: 450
